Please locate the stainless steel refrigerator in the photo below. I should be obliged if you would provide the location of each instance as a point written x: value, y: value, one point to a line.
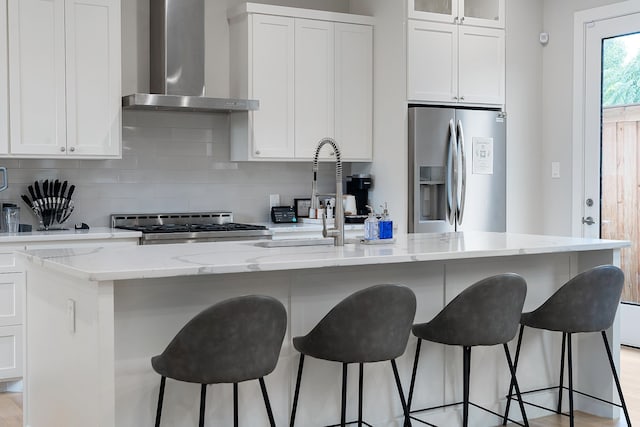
x: 457, y: 170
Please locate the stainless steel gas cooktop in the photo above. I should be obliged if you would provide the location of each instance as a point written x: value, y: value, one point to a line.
x: 188, y: 227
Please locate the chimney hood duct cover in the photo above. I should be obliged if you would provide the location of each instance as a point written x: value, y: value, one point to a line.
x: 177, y: 62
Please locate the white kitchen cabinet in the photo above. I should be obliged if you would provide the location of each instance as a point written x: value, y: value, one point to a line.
x: 4, y: 81
x: 484, y: 13
x: 319, y: 84
x: 452, y: 64
x: 64, y: 78
x: 354, y: 90
x: 314, y: 85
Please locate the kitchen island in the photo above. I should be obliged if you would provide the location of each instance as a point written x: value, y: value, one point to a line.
x: 95, y: 317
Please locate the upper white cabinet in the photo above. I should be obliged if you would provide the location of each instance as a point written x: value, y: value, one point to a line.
x: 4, y: 81
x: 455, y: 63
x: 484, y: 13
x: 64, y: 78
x: 312, y: 73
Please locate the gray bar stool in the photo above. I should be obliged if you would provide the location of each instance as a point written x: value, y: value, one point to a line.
x: 371, y: 325
x: 230, y: 342
x: 586, y: 303
x: 484, y: 314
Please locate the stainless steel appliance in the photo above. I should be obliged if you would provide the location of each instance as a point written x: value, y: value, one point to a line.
x: 188, y: 227
x: 177, y: 64
x: 457, y: 170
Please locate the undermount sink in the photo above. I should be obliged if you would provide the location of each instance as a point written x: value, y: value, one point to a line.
x: 286, y: 243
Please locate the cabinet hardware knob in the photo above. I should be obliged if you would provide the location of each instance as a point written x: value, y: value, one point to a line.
x: 72, y: 149
x: 462, y: 98
x: 63, y: 149
x: 462, y: 20
x: 455, y: 98
x: 455, y: 20
x: 257, y: 152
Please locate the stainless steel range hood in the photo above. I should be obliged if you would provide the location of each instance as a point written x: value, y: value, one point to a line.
x: 177, y: 62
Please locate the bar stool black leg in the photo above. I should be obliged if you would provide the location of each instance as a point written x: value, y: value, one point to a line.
x: 405, y: 408
x: 265, y: 396
x: 203, y: 398
x: 615, y: 377
x: 515, y: 368
x: 570, y: 368
x: 514, y: 381
x: 343, y: 416
x: 360, y: 384
x: 163, y: 381
x: 297, y: 392
x: 235, y: 404
x: 466, y: 362
x: 413, y: 374
x: 561, y: 389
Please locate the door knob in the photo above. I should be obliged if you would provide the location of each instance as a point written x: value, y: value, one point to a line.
x: 588, y: 220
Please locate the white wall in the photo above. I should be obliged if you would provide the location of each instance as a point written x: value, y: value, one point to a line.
x: 524, y: 115
x: 557, y: 110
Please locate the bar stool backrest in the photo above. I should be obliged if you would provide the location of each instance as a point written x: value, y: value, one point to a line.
x: 586, y: 303
x: 486, y: 313
x: 370, y: 325
x: 235, y: 340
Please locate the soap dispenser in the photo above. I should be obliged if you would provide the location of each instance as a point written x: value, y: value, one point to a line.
x: 371, y: 226
x: 385, y: 224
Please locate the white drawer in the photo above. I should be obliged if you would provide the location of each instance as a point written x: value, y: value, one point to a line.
x: 11, y: 352
x: 11, y: 298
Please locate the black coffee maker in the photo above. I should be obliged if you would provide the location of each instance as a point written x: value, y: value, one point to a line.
x: 358, y: 186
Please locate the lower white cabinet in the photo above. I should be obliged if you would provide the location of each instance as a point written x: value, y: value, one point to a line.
x: 11, y: 319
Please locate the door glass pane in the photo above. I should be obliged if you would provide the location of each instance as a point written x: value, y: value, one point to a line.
x: 483, y: 9
x: 620, y: 142
x: 434, y: 6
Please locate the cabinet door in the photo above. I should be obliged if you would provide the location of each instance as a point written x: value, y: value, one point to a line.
x: 432, y: 61
x: 482, y: 65
x: 11, y: 298
x: 4, y: 81
x: 11, y: 352
x: 37, y: 76
x: 483, y: 13
x: 354, y: 89
x: 314, y: 85
x: 434, y: 10
x: 272, y: 77
x: 93, y: 77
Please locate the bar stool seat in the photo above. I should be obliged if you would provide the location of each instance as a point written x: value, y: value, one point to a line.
x: 371, y: 325
x: 586, y: 303
x: 484, y: 314
x: 230, y: 342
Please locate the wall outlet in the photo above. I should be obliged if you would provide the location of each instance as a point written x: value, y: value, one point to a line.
x: 274, y: 200
x: 555, y: 169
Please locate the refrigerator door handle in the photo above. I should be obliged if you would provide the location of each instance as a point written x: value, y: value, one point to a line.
x: 463, y: 173
x: 452, y: 174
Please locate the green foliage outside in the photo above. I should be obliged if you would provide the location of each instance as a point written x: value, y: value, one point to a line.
x: 620, y: 78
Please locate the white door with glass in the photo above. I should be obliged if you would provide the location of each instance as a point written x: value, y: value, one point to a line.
x: 611, y: 155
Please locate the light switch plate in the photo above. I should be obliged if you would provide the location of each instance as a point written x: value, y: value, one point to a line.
x: 555, y: 169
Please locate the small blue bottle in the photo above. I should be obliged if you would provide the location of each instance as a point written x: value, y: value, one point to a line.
x: 385, y: 225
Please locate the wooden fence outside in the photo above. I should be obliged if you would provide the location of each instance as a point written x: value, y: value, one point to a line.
x: 620, y: 188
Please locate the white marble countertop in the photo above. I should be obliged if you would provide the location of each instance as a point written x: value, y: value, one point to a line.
x: 56, y: 235
x: 172, y: 260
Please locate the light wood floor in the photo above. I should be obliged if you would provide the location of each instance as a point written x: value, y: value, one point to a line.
x: 11, y: 403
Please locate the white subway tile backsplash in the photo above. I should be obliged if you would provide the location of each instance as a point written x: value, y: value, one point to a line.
x: 171, y: 162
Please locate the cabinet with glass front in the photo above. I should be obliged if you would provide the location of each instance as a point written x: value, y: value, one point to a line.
x: 483, y: 13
